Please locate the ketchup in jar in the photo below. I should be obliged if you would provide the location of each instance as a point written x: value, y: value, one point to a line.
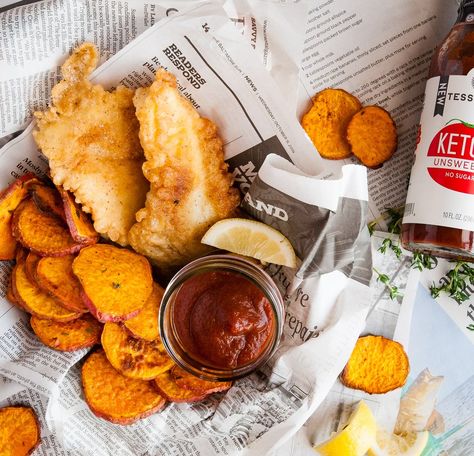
x: 439, y: 211
x: 221, y: 317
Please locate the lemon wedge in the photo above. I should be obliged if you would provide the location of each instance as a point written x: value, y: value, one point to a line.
x: 252, y: 239
x: 356, y: 438
x: 408, y: 444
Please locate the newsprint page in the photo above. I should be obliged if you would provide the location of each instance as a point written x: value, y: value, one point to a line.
x: 261, y: 62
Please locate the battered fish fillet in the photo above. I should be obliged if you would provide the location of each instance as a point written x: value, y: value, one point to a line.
x: 90, y: 137
x: 190, y: 187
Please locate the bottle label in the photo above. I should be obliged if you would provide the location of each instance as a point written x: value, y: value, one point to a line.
x: 441, y: 190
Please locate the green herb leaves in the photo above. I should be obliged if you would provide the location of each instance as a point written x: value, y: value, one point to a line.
x: 385, y: 279
x: 456, y: 283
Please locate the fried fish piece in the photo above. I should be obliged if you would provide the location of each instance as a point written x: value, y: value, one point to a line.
x: 190, y: 187
x: 90, y: 137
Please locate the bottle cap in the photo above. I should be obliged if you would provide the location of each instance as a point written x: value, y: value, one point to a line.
x: 466, y: 11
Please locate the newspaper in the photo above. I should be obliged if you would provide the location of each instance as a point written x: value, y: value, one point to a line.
x: 382, y: 319
x: 380, y: 52
x: 383, y: 61
x: 36, y: 37
x: 261, y: 411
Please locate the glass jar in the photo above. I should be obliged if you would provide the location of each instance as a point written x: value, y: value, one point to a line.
x: 169, y: 324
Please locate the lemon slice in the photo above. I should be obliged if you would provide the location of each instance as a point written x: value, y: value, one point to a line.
x: 252, y: 239
x: 356, y: 438
x: 408, y: 444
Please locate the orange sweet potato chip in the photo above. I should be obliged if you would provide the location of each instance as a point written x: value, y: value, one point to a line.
x: 134, y: 358
x: 377, y: 365
x: 36, y: 301
x: 42, y: 233
x: 47, y: 199
x: 114, y: 397
x: 116, y: 282
x: 168, y: 388
x: 19, y: 431
x: 188, y: 381
x: 70, y: 336
x: 79, y: 223
x: 145, y: 324
x: 372, y: 135
x: 54, y: 275
x: 31, y: 263
x: 10, y: 199
x: 21, y: 254
x: 327, y: 119
x: 11, y: 295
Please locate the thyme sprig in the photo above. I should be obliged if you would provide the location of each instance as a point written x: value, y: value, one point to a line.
x: 385, y: 279
x: 422, y: 261
x: 394, y: 216
x: 456, y: 283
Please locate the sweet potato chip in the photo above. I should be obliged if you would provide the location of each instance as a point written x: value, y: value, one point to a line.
x: 54, y: 275
x: 10, y: 198
x: 377, y: 365
x: 168, y: 388
x: 31, y: 263
x: 326, y: 122
x: 79, y: 223
x: 188, y: 381
x: 145, y: 324
x: 70, y: 336
x: 36, y: 301
x: 116, y: 282
x: 19, y: 431
x: 42, y: 233
x: 134, y: 358
x: 114, y: 397
x: 21, y: 254
x: 11, y: 295
x: 372, y: 135
x: 48, y: 200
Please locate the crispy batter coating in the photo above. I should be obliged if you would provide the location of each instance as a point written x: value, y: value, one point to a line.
x: 188, y: 381
x: 70, y: 336
x: 116, y: 282
x: 134, y: 358
x: 168, y: 388
x: 191, y: 188
x: 372, y: 135
x: 145, y: 324
x: 42, y: 233
x: 19, y: 431
x: 377, y: 365
x: 35, y: 301
x: 114, y: 397
x: 54, y: 276
x: 327, y: 119
x: 90, y: 137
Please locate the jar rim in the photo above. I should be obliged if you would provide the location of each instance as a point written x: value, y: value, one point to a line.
x: 232, y: 263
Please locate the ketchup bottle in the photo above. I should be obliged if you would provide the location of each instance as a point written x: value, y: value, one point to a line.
x: 439, y: 211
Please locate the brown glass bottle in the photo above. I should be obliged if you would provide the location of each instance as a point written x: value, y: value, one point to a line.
x: 455, y: 56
